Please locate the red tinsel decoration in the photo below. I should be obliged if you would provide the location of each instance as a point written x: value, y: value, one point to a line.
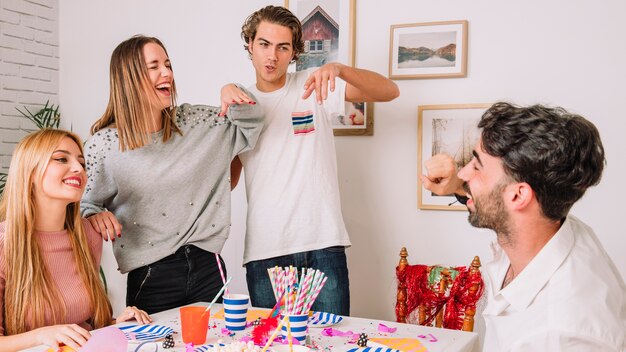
x: 420, y: 292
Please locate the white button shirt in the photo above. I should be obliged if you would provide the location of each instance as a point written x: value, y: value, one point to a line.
x: 570, y: 297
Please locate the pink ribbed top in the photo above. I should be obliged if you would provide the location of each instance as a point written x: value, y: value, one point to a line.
x: 59, y: 260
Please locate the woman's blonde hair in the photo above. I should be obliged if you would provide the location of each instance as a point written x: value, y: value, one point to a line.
x: 30, y: 291
x: 131, y: 94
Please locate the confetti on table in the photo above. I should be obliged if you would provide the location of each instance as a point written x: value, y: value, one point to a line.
x: 384, y: 328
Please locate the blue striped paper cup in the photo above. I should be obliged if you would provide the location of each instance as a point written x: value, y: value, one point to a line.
x: 235, y: 311
x: 298, y: 325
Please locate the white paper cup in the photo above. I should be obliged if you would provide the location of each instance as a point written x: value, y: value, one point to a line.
x: 298, y: 325
x: 235, y: 311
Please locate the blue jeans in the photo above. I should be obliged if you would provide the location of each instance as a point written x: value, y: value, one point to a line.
x: 334, y: 297
x: 189, y: 275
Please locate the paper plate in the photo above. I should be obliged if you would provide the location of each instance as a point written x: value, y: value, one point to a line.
x: 323, y: 319
x: 207, y: 348
x: 146, y: 332
x: 373, y: 347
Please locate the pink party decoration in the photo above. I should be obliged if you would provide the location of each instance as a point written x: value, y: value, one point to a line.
x: 109, y: 339
x: 385, y: 328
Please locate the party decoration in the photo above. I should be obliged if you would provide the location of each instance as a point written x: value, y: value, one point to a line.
x: 296, y: 296
x: 323, y: 319
x: 384, y: 328
x: 146, y: 332
x: 423, y: 289
x: 261, y: 331
x: 109, y: 339
x: 373, y: 349
x: 168, y: 342
x: 362, y: 342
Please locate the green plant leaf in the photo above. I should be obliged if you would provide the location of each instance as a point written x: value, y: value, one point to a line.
x: 3, y: 180
x: 46, y: 117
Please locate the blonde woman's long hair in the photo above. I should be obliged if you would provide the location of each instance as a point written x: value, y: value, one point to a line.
x: 131, y: 94
x: 30, y: 291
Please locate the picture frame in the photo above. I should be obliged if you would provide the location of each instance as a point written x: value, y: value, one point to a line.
x: 451, y: 129
x: 325, y: 40
x: 428, y: 50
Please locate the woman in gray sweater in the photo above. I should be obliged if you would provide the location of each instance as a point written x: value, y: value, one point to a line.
x: 159, y: 177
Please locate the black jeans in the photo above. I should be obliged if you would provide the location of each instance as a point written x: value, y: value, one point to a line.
x: 189, y: 275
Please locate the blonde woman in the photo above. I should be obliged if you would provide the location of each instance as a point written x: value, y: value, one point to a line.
x: 159, y: 177
x: 50, y: 290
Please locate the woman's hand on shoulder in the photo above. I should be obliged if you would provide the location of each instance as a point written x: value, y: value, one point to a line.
x: 134, y: 313
x: 106, y: 224
x: 71, y: 335
x: 231, y: 94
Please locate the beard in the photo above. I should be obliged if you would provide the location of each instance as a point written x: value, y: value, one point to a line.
x: 490, y: 212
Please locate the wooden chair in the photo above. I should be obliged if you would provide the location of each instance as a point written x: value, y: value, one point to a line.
x: 445, y: 295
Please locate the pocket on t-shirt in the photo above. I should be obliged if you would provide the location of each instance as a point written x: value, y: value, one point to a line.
x: 303, y: 122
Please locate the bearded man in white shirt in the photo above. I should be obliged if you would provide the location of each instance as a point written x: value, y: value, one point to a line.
x: 551, y: 286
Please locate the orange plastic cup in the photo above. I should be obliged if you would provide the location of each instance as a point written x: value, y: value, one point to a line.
x: 194, y: 323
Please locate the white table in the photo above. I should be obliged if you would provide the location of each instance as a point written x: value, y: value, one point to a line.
x: 434, y: 339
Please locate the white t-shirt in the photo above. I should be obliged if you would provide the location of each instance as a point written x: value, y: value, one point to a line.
x: 291, y: 175
x: 570, y: 297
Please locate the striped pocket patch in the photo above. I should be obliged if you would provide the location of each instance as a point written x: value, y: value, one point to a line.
x: 302, y: 122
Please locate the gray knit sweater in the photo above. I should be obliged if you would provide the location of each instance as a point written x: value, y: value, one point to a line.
x: 170, y: 194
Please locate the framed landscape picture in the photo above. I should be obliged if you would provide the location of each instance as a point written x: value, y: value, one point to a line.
x: 328, y: 31
x: 428, y: 50
x: 450, y: 129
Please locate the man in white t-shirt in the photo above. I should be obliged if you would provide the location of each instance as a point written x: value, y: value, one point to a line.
x: 551, y: 285
x: 294, y: 210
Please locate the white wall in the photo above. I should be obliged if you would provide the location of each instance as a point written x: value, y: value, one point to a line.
x: 29, y: 65
x: 561, y: 52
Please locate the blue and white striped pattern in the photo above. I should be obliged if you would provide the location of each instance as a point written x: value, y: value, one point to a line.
x: 145, y: 332
x: 373, y: 349
x: 206, y: 348
x: 322, y: 319
x: 298, y: 324
x: 235, y: 311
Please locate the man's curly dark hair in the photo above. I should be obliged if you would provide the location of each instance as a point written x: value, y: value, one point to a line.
x: 557, y: 153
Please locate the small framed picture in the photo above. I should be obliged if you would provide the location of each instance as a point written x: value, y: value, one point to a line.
x: 328, y: 32
x: 450, y: 129
x: 428, y: 50
x: 358, y: 120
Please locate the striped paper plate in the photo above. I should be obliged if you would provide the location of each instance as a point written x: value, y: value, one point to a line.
x: 207, y: 348
x: 145, y: 332
x: 373, y: 347
x: 323, y: 319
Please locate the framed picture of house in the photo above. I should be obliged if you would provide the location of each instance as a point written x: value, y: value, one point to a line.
x: 428, y: 50
x: 328, y: 31
x: 450, y: 129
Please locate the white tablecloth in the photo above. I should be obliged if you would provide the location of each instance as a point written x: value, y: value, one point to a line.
x: 434, y: 339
